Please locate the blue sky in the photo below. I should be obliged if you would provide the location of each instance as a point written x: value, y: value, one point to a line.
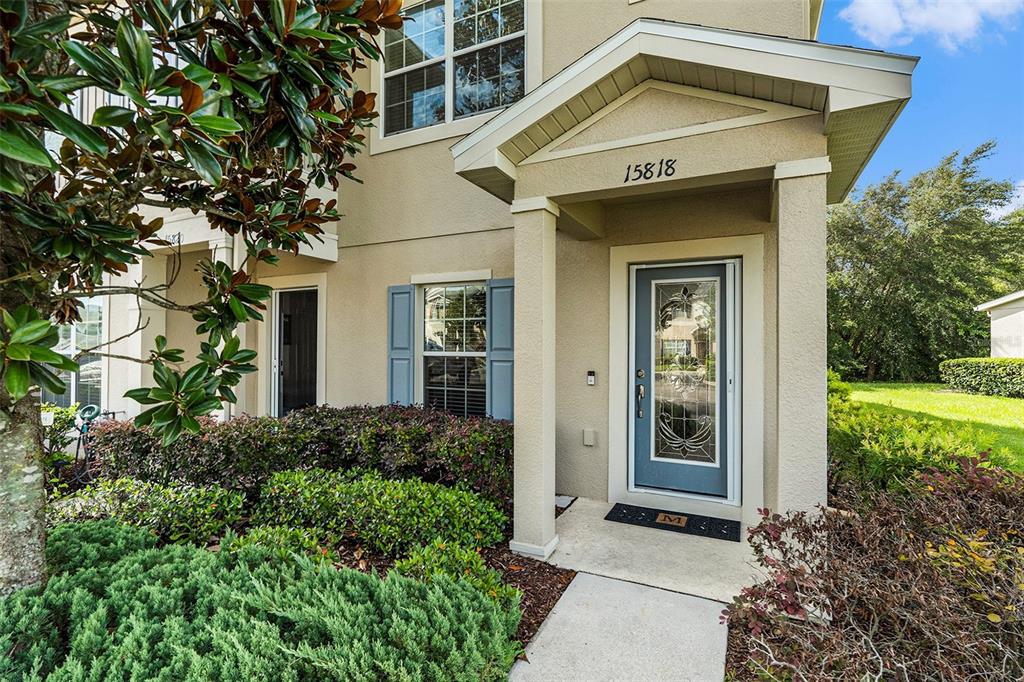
x: 967, y: 88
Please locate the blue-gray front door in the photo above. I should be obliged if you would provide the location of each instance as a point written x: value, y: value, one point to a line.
x: 681, y: 352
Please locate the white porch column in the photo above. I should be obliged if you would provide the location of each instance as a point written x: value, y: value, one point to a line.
x: 123, y: 375
x: 534, y: 381
x: 800, y: 206
x: 222, y: 251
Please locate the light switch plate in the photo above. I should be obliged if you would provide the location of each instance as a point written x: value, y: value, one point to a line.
x: 589, y: 437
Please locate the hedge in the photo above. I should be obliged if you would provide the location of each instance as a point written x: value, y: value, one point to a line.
x: 242, y: 454
x: 174, y: 513
x: 989, y: 376
x: 880, y: 449
x: 184, y: 613
x: 390, y: 517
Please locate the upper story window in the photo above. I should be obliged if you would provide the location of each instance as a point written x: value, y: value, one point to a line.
x: 452, y: 59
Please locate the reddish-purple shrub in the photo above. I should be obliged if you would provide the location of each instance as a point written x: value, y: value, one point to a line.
x: 399, y: 442
x: 925, y: 583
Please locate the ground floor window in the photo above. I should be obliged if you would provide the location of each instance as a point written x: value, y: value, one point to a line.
x: 455, y: 348
x: 84, y: 386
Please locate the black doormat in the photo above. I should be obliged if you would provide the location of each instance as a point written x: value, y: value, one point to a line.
x: 691, y: 524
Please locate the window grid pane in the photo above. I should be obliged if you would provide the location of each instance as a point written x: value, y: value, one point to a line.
x: 414, y: 99
x: 477, y: 21
x: 455, y: 323
x: 420, y: 39
x: 84, y: 386
x: 489, y: 78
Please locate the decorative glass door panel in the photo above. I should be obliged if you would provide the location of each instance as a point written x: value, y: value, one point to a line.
x: 680, y: 394
x: 685, y: 400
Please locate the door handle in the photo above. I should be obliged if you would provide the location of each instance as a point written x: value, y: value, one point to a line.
x: 640, y: 393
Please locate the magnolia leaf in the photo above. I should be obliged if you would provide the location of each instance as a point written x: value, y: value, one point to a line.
x: 30, y: 332
x: 16, y: 379
x: 10, y: 184
x: 217, y: 125
x: 191, y: 97
x: 112, y: 116
x: 203, y: 162
x: 20, y: 146
x: 18, y: 351
x: 79, y: 133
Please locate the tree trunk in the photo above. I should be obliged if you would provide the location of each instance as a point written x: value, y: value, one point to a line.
x: 22, y: 495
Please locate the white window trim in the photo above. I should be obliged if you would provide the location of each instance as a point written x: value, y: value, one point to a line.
x: 422, y: 283
x: 267, y: 387
x: 452, y: 127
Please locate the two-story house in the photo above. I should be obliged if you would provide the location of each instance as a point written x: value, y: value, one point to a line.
x: 603, y: 219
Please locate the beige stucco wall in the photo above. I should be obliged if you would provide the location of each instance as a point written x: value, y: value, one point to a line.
x: 1008, y: 330
x: 186, y: 289
x: 572, y: 27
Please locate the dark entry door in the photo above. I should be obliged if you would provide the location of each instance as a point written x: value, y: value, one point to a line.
x: 296, y: 349
x: 681, y: 356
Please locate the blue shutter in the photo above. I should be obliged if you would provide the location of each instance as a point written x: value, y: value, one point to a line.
x: 401, y: 354
x: 500, y: 337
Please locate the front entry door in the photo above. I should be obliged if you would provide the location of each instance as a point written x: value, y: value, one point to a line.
x: 681, y: 372
x: 295, y: 350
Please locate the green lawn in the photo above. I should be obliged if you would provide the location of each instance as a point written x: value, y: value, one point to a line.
x: 1001, y: 418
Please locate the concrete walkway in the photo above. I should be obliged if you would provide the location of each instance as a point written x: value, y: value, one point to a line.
x: 607, y: 629
x: 702, y: 567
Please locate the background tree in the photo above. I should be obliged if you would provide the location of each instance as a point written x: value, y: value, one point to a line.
x: 236, y: 109
x: 908, y: 261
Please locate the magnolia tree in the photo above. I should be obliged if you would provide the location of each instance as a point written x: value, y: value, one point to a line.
x: 235, y: 109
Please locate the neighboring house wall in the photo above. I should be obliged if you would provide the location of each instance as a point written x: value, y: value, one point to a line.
x: 1008, y: 330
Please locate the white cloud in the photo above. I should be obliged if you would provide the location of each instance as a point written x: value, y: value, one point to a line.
x: 951, y: 23
x: 1016, y: 201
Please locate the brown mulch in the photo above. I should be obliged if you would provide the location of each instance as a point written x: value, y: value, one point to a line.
x: 541, y: 584
x: 350, y: 554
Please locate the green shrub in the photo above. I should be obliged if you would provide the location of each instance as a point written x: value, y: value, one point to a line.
x: 60, y: 434
x: 283, y: 542
x: 989, y: 376
x: 446, y: 558
x: 837, y: 389
x: 399, y: 442
x: 881, y: 449
x: 387, y: 516
x: 174, y: 513
x: 183, y: 613
x: 93, y: 544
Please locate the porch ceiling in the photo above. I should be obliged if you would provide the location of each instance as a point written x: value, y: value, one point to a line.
x: 859, y: 94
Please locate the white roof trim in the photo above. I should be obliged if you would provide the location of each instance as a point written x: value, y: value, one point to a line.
x: 627, y: 43
x: 996, y: 302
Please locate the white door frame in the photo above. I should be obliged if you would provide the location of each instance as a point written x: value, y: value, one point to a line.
x: 749, y: 489
x: 268, y: 347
